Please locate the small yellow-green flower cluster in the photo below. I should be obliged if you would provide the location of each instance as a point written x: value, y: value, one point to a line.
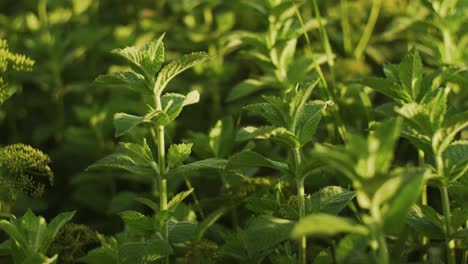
x: 13, y: 61
x: 24, y: 168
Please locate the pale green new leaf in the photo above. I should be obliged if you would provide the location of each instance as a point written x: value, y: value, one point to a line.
x: 326, y: 225
x: 177, y: 199
x: 246, y: 159
x: 381, y: 145
x: 175, y: 67
x: 178, y: 153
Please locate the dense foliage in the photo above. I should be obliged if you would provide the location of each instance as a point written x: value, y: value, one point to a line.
x: 210, y: 131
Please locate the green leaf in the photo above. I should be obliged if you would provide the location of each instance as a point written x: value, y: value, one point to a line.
x: 196, y: 167
x: 131, y: 157
x: 146, y: 60
x: 455, y: 159
x: 330, y: 200
x: 209, y: 221
x: 268, y: 112
x: 326, y: 225
x: 177, y: 199
x: 175, y: 67
x: 178, y: 153
x: 309, y: 120
x: 381, y: 144
x: 144, y: 252
x: 182, y: 231
x: 137, y: 223
x: 395, y: 197
x: 123, y: 122
x: 246, y: 159
x: 52, y: 229
x: 245, y: 88
x: 389, y: 88
x: 265, y: 232
x: 411, y: 72
x: 131, y: 80
x: 449, y: 130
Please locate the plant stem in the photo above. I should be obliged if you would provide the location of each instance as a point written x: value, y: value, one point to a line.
x: 383, y: 250
x: 450, y: 243
x: 345, y: 27
x: 301, y: 204
x: 424, y: 239
x: 162, y: 170
x: 303, y: 239
x: 366, y: 35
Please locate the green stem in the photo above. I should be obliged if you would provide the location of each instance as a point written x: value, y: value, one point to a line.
x: 301, y: 205
x: 303, y: 239
x: 162, y: 170
x: 383, y: 249
x: 450, y: 243
x: 366, y: 35
x: 345, y: 26
x: 424, y: 239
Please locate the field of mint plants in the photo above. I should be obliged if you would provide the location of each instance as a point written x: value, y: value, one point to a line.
x: 233, y: 131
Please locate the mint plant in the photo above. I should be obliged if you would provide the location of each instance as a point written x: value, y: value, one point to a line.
x: 422, y: 102
x: 148, y: 76
x: 293, y: 122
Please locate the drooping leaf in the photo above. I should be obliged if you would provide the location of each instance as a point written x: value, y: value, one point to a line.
x: 245, y: 88
x: 326, y: 225
x: 329, y: 200
x: 265, y: 232
x: 123, y: 122
x: 396, y: 196
x: 131, y: 80
x: 246, y: 159
x: 196, y: 167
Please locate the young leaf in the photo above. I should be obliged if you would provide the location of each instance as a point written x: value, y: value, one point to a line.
x: 175, y: 67
x: 177, y: 154
x: 326, y: 225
